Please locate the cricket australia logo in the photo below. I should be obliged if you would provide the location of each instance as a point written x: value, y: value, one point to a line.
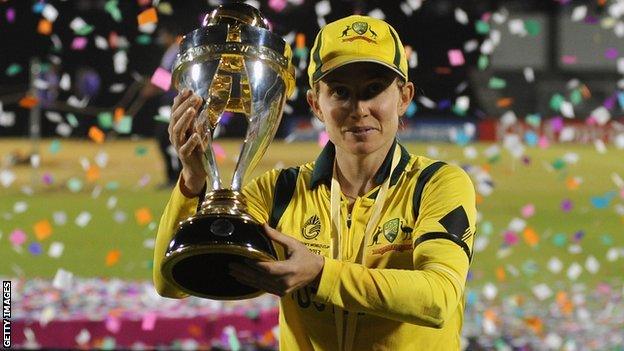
x: 311, y: 227
x: 359, y: 30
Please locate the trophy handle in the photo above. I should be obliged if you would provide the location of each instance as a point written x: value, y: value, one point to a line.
x: 268, y: 94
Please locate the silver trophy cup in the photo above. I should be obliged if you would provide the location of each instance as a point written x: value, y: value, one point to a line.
x: 235, y: 64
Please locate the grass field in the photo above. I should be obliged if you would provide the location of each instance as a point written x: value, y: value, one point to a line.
x: 124, y: 206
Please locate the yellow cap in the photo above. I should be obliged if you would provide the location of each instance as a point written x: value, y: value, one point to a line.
x: 356, y: 39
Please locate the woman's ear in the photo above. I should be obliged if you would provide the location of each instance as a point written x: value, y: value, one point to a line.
x: 407, y: 94
x: 314, y: 105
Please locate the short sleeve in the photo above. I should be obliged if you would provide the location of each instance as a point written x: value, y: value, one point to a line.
x: 447, y: 209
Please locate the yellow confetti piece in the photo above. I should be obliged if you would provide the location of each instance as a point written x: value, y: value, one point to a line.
x: 96, y: 135
x: 148, y: 16
x: 530, y: 236
x: 43, y: 229
x: 143, y: 216
x: 112, y: 257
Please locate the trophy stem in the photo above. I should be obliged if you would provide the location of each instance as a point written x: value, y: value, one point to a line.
x: 225, y: 201
x: 210, y: 164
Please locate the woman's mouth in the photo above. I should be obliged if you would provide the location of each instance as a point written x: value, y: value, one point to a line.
x: 360, y: 131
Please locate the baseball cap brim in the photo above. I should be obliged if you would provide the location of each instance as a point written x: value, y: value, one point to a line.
x: 343, y: 60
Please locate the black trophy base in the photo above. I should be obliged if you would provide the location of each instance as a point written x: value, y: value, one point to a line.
x: 199, y: 254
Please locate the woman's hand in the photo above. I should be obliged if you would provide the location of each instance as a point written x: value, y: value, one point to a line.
x: 189, y: 139
x: 301, y: 267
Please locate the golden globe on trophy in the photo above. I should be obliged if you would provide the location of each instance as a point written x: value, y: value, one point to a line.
x: 235, y: 64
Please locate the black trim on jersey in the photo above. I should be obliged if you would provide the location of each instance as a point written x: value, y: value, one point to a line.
x: 423, y: 179
x: 323, y: 167
x: 447, y: 236
x: 284, y: 190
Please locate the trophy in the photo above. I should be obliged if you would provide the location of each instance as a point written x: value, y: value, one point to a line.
x: 235, y: 64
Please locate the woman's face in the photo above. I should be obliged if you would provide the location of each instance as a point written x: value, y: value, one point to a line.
x: 360, y: 105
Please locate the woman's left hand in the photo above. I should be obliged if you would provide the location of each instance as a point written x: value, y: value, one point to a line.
x: 300, y: 268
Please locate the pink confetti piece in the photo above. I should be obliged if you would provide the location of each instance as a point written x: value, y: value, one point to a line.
x: 456, y: 57
x: 79, y: 43
x: 543, y: 142
x: 323, y: 138
x: 113, y: 324
x: 566, y: 205
x: 277, y: 5
x: 556, y: 124
x: 568, y: 59
x: 510, y: 238
x: 611, y: 53
x: 161, y: 78
x: 149, y: 321
x: 10, y: 15
x: 17, y: 237
x: 218, y: 151
x: 528, y: 211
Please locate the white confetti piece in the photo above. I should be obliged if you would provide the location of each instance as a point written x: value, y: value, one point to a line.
x: 481, y: 243
x: 461, y: 16
x: 83, y: 219
x: 83, y: 337
x: 471, y: 45
x: 63, y: 279
x: 101, y: 42
x: 111, y: 202
x: 613, y: 254
x: 553, y: 341
x: 101, y: 159
x: 470, y: 152
x: 571, y: 158
x: 425, y: 101
x: 50, y: 12
x: 567, y: 109
x: 322, y: 8
x: 7, y: 178
x: 59, y: 217
x: 415, y: 4
x: 20, y: 207
x: 567, y: 134
x: 579, y: 13
x: 120, y: 62
x: 508, y: 119
x: 56, y: 249
x: 77, y: 23
x: 63, y: 129
x: 542, y: 291
x: 53, y: 117
x: 574, y: 271
x: 529, y: 74
x: 65, y: 82
x: 517, y: 225
x: 7, y: 119
x: 555, y: 265
x: 47, y: 315
x: 120, y: 216
x: 490, y: 291
x: 601, y: 115
x: 600, y: 146
x: 377, y: 13
x: 149, y: 243
x: 462, y: 103
x: 516, y: 27
x: 592, y: 265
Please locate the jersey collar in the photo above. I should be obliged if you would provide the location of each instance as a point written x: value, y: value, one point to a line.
x: 322, y: 172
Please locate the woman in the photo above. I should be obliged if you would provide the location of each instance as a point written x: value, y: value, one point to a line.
x: 377, y: 241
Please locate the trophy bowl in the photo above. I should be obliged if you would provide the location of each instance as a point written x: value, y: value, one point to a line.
x: 235, y: 64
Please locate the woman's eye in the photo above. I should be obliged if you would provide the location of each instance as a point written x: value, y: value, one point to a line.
x: 374, y: 89
x: 341, y: 92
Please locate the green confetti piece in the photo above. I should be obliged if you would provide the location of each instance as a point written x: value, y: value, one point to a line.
x: 534, y: 120
x: 497, y: 83
x: 112, y: 185
x: 84, y: 30
x: 486, y: 228
x: 161, y: 118
x: 494, y: 159
x: 576, y: 97
x: 140, y: 151
x: 124, y: 126
x: 606, y: 239
x: 556, y: 101
x: 165, y: 8
x: 458, y: 110
x: 74, y: 185
x: 532, y: 27
x: 55, y: 146
x: 72, y: 120
x: 105, y: 120
x: 560, y: 240
x: 558, y: 164
x: 530, y: 268
x: 482, y: 27
x: 112, y: 8
x: 13, y: 69
x: 483, y: 62
x: 144, y: 39
x: 252, y: 313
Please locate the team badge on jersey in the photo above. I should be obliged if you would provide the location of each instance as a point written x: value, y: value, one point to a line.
x: 391, y: 229
x: 311, y: 227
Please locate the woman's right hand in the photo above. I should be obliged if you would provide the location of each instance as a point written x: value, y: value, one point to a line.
x: 189, y: 139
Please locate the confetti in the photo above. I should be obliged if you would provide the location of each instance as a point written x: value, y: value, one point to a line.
x: 112, y: 257
x: 42, y: 229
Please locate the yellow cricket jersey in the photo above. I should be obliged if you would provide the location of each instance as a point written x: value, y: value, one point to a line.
x: 409, y: 293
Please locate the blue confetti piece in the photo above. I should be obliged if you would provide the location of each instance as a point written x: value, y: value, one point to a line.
x: 411, y: 109
x: 35, y: 249
x: 462, y: 138
x: 444, y: 104
x: 602, y: 202
x: 560, y: 239
x: 38, y: 7
x: 531, y: 138
x: 621, y: 99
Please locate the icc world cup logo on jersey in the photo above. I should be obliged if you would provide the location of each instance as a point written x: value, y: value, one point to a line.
x: 311, y: 228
